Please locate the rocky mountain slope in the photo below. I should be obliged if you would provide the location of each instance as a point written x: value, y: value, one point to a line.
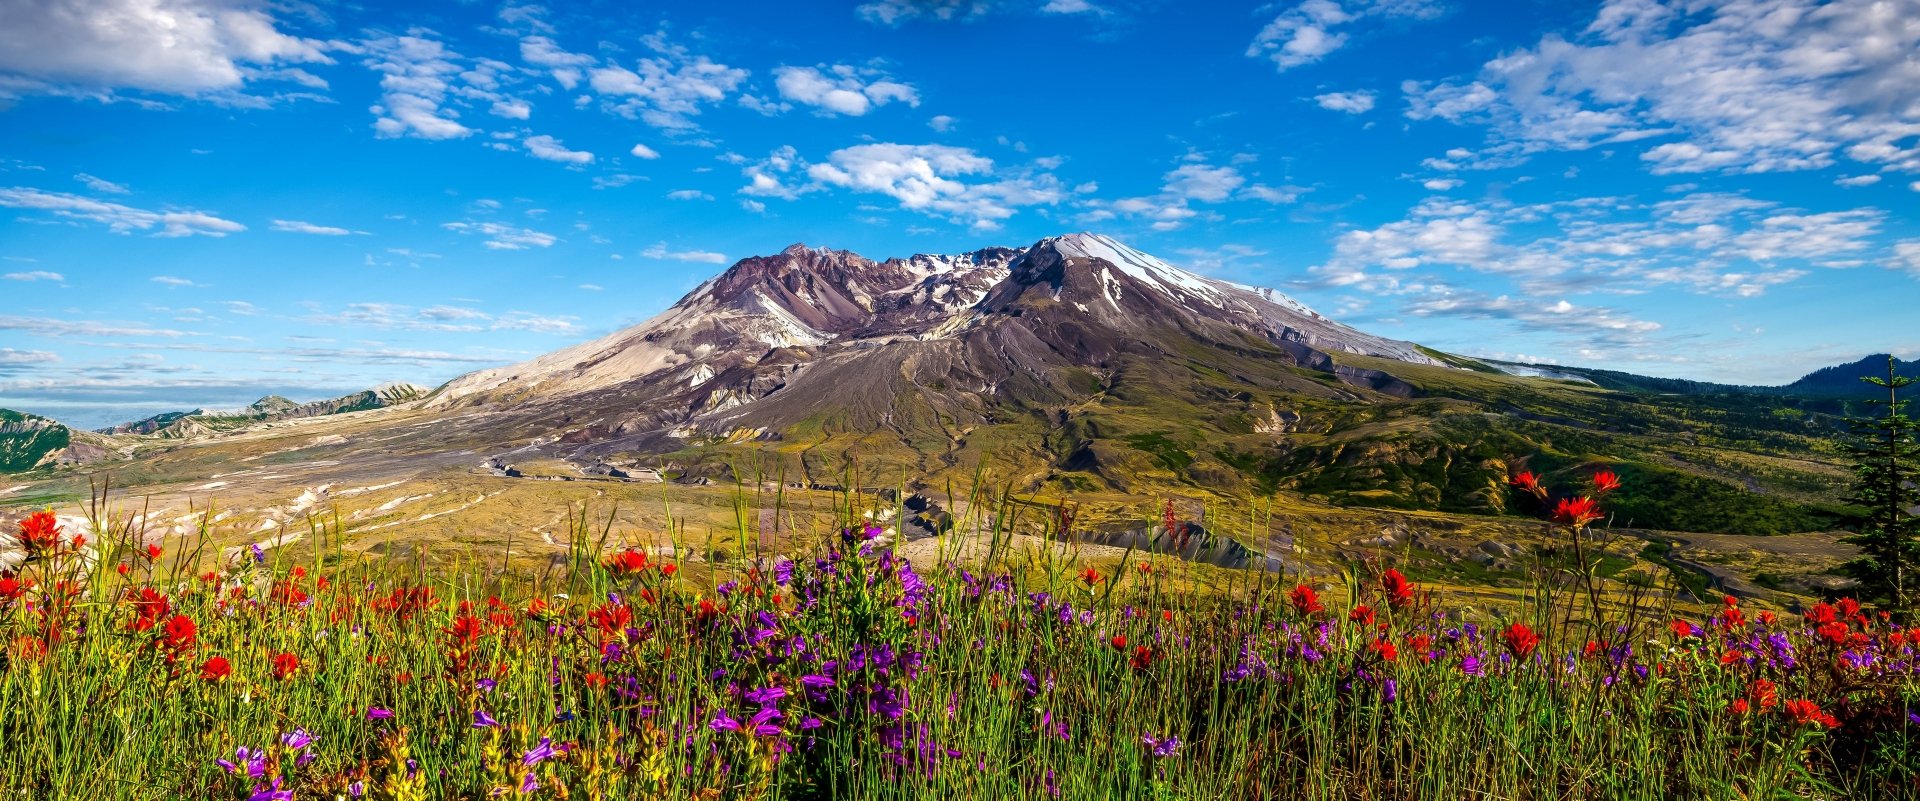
x: 29, y: 441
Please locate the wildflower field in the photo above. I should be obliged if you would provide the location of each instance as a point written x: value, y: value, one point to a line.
x: 133, y: 672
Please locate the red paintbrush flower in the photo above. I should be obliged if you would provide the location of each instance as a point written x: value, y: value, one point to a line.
x: 40, y: 532
x: 1520, y: 640
x: 1808, y: 713
x: 1119, y: 642
x: 1385, y: 649
x: 628, y: 562
x: 1361, y: 614
x: 179, y: 634
x: 1763, y: 693
x: 1305, y: 600
x: 215, y: 669
x: 1576, y: 512
x: 1822, y: 612
x: 1399, y: 590
x: 153, y: 553
x: 466, y: 630
x: 1141, y: 659
x: 148, y: 607
x: 285, y: 665
x: 1089, y: 577
x: 1605, y: 481
x: 1529, y: 483
x: 11, y: 589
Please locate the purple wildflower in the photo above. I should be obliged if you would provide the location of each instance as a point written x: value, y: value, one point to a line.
x: 482, y: 720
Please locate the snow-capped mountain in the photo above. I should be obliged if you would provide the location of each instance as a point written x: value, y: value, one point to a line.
x: 807, y: 298
x: 817, y: 333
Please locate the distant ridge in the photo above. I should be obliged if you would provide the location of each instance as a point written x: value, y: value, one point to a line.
x: 1840, y: 381
x: 179, y: 425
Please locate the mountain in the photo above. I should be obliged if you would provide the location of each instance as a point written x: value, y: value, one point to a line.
x: 1843, y: 380
x: 28, y: 441
x: 815, y: 333
x: 200, y: 422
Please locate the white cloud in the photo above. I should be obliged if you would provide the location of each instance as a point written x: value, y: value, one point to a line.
x: 504, y: 237
x: 895, y: 12
x: 1069, y: 7
x: 660, y: 251
x: 1193, y: 182
x: 512, y: 108
x: 1715, y: 244
x: 565, y: 67
x: 688, y: 194
x: 941, y: 123
x: 417, y: 76
x: 36, y: 275
x: 1306, y: 32
x: 642, y: 151
x: 933, y: 179
x: 536, y: 323
x: 1349, y: 102
x: 298, y: 227
x: 186, y: 47
x: 119, y: 218
x: 1906, y: 256
x: 1442, y: 184
x: 592, y: 287
x: 48, y: 327
x: 9, y: 356
x: 171, y: 280
x: 841, y: 89
x: 1203, y: 182
x: 667, y: 90
x: 1752, y: 86
x: 101, y: 184
x: 1857, y: 180
x: 551, y: 149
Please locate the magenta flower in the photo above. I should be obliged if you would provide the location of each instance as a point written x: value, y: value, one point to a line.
x: 377, y: 713
x: 482, y: 720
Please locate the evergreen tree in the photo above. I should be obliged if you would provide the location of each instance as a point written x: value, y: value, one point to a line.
x: 1887, y: 465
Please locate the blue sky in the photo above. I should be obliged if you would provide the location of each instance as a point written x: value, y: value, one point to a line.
x: 202, y: 201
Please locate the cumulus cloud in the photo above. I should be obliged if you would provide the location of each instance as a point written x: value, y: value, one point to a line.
x: 1756, y: 86
x: 1308, y: 32
x: 841, y: 89
x: 659, y: 251
x: 1183, y: 186
x: 665, y: 90
x: 299, y: 227
x: 943, y: 180
x: 1349, y: 102
x: 117, y: 217
x: 688, y: 194
x: 500, y: 236
x: 895, y: 12
x: 565, y: 67
x: 642, y: 151
x: 417, y: 75
x: 1709, y: 243
x: 182, y: 47
x: 551, y: 149
x: 35, y: 275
